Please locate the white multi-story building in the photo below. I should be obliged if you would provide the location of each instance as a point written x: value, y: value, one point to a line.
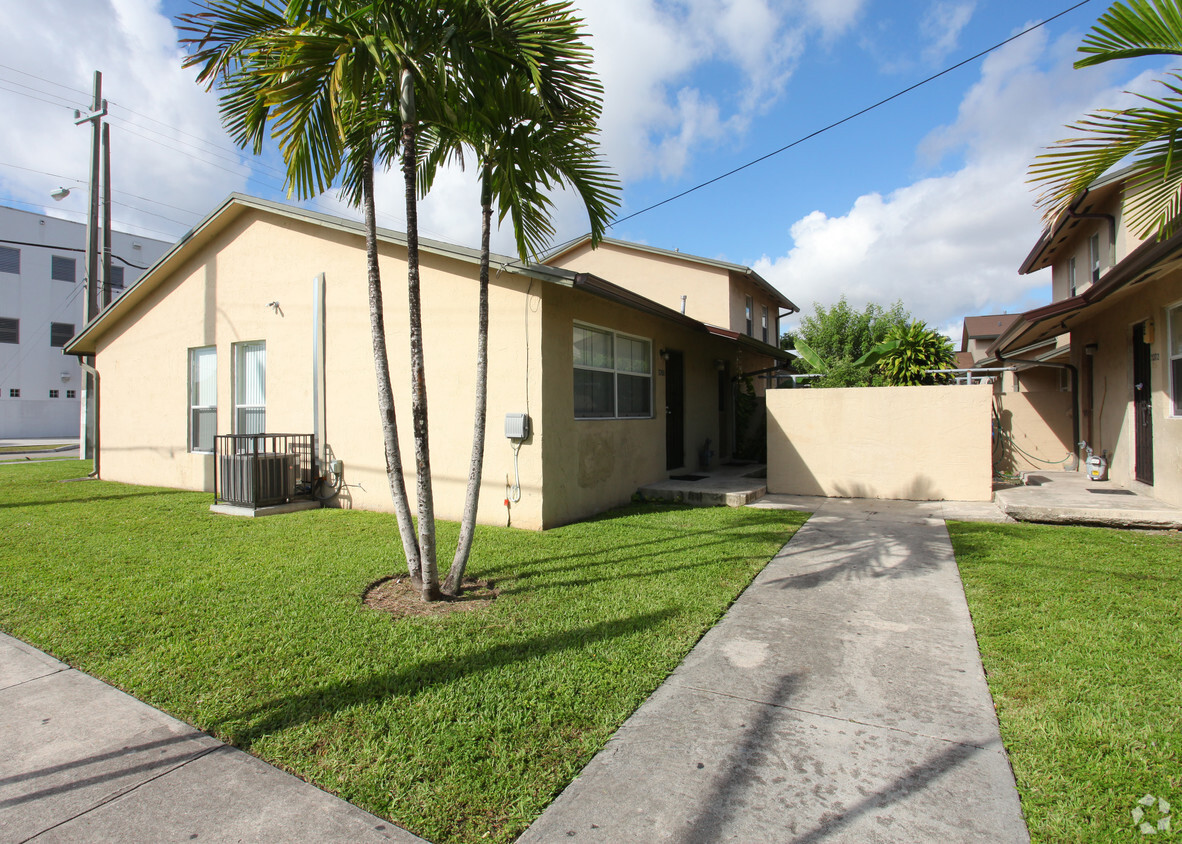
x: 42, y: 302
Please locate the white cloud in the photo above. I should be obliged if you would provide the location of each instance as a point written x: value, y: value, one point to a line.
x: 134, y: 46
x: 949, y: 245
x: 942, y: 25
x: 649, y: 53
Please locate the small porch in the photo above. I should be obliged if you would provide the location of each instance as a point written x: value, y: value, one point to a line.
x: 733, y: 484
x: 1071, y: 498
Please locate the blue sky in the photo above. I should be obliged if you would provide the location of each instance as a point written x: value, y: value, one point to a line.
x: 923, y: 199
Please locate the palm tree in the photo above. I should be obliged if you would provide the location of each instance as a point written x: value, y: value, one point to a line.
x: 312, y: 77
x: 910, y: 352
x: 1150, y: 132
x: 523, y: 149
x: 321, y: 73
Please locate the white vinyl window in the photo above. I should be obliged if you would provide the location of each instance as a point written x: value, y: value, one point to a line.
x: 763, y: 326
x: 1071, y: 276
x: 1176, y: 360
x: 749, y: 314
x: 203, y: 398
x: 1094, y: 256
x: 612, y: 375
x: 250, y: 387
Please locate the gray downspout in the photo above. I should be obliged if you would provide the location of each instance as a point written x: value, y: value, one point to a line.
x: 1075, y: 409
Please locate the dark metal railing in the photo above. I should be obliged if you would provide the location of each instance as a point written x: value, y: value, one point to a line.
x: 258, y: 470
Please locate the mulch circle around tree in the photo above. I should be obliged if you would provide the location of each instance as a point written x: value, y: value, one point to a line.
x: 397, y: 596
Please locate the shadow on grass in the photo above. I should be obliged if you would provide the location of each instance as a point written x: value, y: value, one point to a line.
x: 612, y: 577
x: 91, y: 499
x: 614, y: 551
x: 290, y: 711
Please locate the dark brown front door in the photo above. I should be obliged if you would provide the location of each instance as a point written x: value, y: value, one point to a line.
x: 1142, y: 407
x: 674, y: 411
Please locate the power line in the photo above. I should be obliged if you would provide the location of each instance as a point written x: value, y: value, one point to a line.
x: 43, y: 79
x: 65, y: 249
x: 850, y: 117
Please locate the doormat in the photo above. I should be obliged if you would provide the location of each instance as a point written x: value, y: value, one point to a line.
x: 1112, y: 491
x: 687, y: 477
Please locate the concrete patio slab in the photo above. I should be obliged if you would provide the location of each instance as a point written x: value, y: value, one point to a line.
x: 1071, y: 498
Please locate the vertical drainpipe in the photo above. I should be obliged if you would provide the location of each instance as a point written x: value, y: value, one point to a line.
x: 319, y: 381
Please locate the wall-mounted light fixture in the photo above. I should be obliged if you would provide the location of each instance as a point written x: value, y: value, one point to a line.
x: 274, y: 306
x: 664, y: 353
x: 720, y: 365
x: 1090, y: 348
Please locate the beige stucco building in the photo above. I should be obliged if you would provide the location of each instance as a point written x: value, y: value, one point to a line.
x: 1114, y: 327
x: 227, y: 331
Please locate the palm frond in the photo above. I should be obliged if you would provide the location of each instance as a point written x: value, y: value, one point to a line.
x: 1148, y: 135
x: 1132, y: 29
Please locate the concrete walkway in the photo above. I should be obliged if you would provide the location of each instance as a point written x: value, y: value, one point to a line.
x: 81, y: 761
x: 840, y: 699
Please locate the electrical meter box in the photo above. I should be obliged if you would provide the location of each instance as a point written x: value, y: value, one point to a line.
x: 517, y: 426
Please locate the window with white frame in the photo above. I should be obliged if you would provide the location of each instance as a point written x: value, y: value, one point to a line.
x: 1071, y: 276
x: 250, y: 387
x: 1176, y: 359
x: 613, y: 375
x: 203, y: 398
x: 750, y: 314
x: 1094, y: 256
x: 763, y: 326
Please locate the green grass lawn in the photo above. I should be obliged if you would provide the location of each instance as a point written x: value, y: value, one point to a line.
x: 1080, y: 631
x: 460, y: 727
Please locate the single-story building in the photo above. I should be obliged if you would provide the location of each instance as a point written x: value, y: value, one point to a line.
x: 261, y: 313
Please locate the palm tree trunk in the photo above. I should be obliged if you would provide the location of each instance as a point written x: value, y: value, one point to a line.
x: 418, y: 377
x: 381, y: 360
x: 455, y: 577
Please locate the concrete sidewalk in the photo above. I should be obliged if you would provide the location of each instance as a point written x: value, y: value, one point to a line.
x: 840, y: 699
x: 82, y: 761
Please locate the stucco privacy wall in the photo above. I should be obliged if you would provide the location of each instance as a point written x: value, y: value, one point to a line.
x: 219, y: 297
x: 917, y: 443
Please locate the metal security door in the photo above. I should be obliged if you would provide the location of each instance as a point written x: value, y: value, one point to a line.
x: 1142, y: 407
x: 674, y: 410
